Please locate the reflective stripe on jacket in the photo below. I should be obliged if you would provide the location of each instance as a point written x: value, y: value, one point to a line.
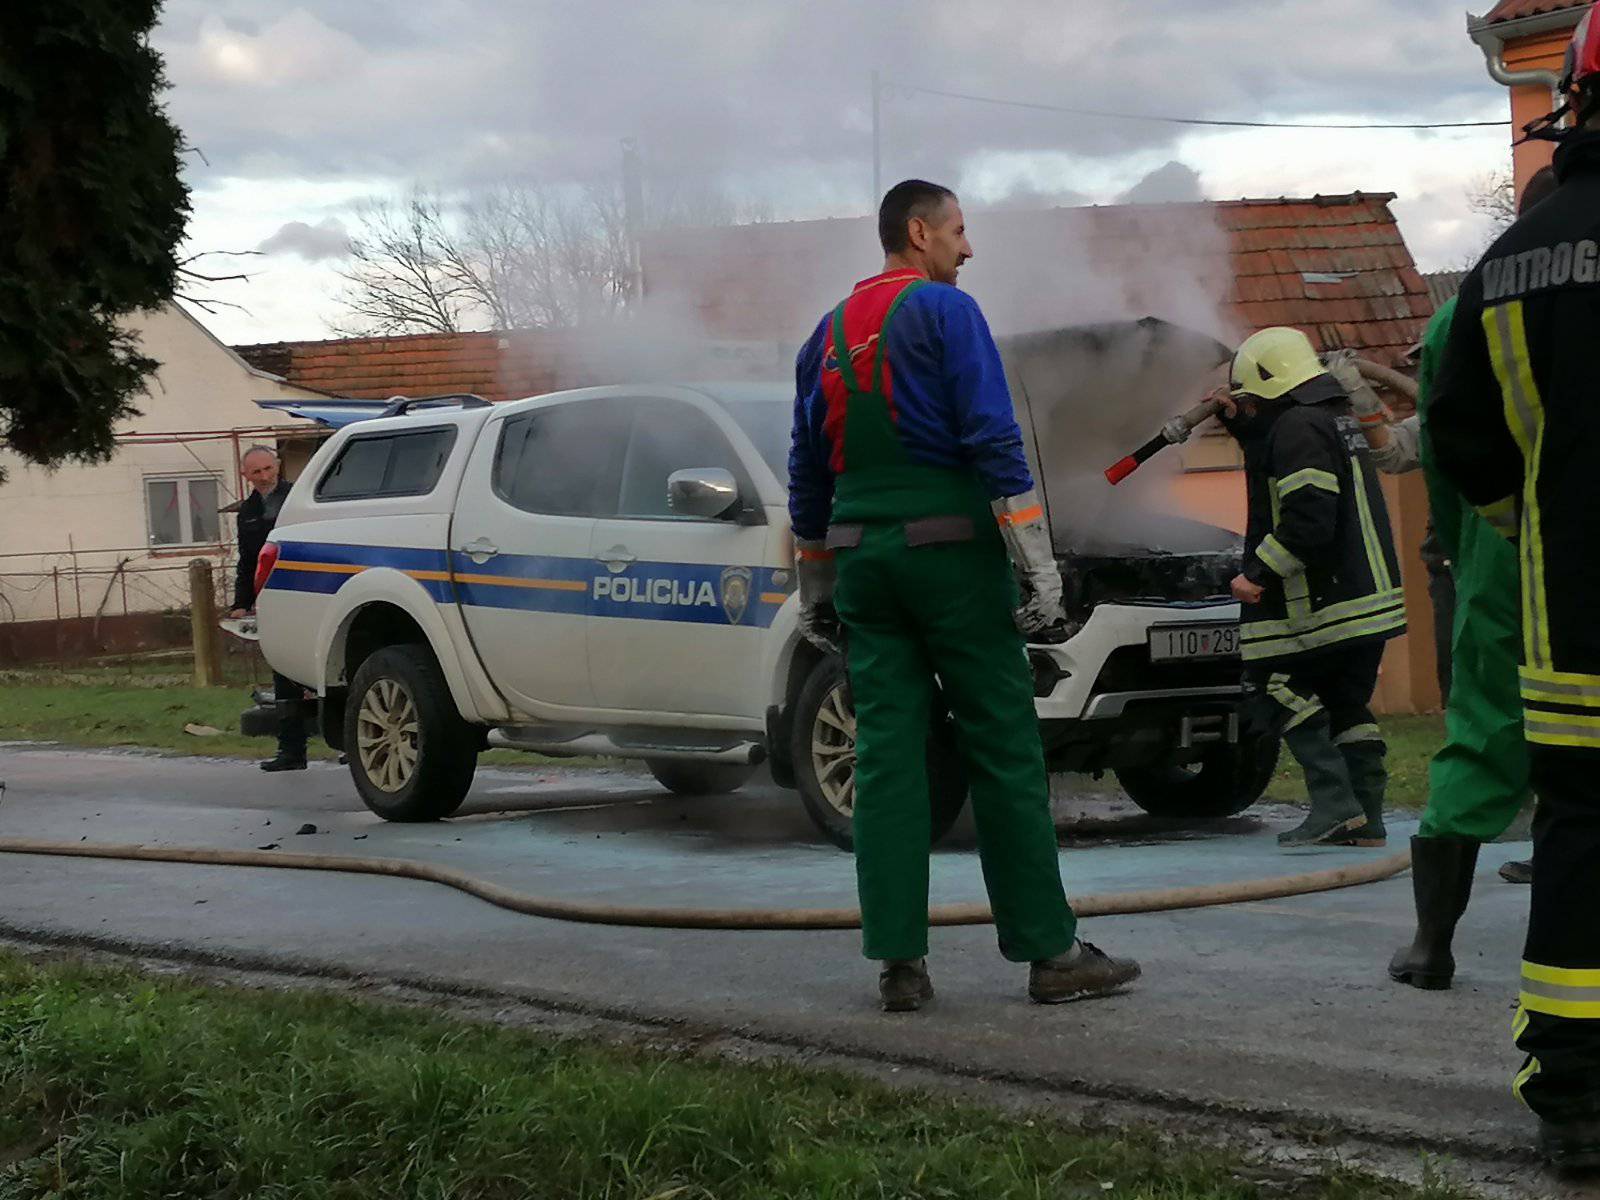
x: 1318, y: 537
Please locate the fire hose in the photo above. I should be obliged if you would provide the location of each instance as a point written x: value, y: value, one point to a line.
x: 655, y: 917
x: 1181, y: 426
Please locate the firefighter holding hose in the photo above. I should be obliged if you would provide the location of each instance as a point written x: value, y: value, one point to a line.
x: 1512, y: 425
x: 908, y: 490
x: 1320, y: 585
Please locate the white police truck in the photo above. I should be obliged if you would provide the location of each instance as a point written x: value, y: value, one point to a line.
x: 609, y: 571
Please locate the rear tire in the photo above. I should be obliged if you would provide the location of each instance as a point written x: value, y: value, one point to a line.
x: 683, y: 778
x: 1228, y: 780
x: 823, y: 750
x: 411, y: 755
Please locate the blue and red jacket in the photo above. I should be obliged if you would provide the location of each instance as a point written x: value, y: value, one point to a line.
x: 945, y: 388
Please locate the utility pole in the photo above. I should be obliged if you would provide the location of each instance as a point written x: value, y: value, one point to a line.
x: 877, y: 140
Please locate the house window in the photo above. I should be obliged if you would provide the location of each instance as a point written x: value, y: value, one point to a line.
x: 183, y: 511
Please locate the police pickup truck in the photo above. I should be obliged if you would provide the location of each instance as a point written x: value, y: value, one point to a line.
x: 609, y: 571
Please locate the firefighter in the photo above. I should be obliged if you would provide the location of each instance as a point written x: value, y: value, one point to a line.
x: 1320, y: 586
x: 1478, y: 781
x: 1512, y: 424
x: 908, y: 483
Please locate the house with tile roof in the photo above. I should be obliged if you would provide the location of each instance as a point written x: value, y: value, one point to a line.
x: 1524, y: 43
x: 92, y: 556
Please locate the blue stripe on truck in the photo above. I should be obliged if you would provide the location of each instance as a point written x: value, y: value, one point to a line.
x: 697, y: 593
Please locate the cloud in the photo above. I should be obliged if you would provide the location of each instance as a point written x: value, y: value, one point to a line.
x: 327, y: 239
x: 1174, y: 183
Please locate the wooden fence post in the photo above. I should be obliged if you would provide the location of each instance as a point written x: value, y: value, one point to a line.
x: 203, y: 625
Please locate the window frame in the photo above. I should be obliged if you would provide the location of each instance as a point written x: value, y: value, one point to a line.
x: 185, y: 517
x: 749, y: 512
x: 613, y: 406
x: 391, y: 435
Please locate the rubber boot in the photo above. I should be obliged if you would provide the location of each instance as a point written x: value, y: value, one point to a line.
x: 1517, y: 871
x: 904, y: 986
x: 1441, y: 881
x: 1334, y: 809
x: 1369, y: 779
x: 1571, y: 1147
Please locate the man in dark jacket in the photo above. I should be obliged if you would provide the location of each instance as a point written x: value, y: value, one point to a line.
x: 1513, y: 427
x: 1320, y: 583
x: 257, y: 515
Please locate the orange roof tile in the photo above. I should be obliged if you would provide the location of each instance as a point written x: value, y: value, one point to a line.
x: 1511, y: 10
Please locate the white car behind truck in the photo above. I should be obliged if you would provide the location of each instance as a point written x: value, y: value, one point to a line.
x: 609, y: 572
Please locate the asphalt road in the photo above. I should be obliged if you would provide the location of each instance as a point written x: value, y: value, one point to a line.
x: 1277, y: 1010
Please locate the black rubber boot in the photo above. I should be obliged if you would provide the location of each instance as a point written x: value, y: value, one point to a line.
x: 1571, y: 1147
x: 1441, y: 881
x: 1369, y: 779
x: 904, y: 986
x: 1517, y: 872
x: 1080, y: 973
x: 1334, y: 810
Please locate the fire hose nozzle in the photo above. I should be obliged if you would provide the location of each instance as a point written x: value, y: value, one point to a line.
x: 1172, y: 433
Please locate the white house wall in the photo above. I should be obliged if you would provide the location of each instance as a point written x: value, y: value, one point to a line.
x: 63, y: 532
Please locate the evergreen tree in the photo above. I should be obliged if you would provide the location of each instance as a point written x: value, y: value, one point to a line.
x: 92, y: 208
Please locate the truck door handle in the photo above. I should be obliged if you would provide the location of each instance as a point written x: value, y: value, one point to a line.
x: 480, y: 550
x: 616, y: 558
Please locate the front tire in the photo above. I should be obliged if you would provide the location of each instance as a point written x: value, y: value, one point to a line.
x: 411, y: 755
x: 823, y: 747
x: 697, y: 778
x: 1228, y: 780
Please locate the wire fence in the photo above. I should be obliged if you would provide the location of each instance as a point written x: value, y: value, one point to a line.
x: 67, y: 607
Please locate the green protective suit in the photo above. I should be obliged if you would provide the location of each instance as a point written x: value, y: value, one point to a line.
x: 921, y: 620
x: 1478, y: 782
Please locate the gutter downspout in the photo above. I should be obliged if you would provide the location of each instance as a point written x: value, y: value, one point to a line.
x: 1491, y: 39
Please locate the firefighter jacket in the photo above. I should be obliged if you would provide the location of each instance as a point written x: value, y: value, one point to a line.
x: 1318, y: 537
x: 1514, y: 425
x: 257, y: 515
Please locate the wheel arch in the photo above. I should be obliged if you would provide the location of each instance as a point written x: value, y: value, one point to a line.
x: 385, y: 608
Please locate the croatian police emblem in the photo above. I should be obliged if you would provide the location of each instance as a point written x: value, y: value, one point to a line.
x: 735, y: 593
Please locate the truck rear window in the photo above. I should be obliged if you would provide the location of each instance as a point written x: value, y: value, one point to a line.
x: 388, y: 464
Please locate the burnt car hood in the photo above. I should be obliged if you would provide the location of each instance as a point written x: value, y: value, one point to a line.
x: 1085, y: 396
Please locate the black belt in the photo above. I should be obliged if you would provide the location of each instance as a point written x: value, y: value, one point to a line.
x: 926, y: 531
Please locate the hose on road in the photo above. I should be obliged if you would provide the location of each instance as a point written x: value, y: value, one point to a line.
x: 655, y: 917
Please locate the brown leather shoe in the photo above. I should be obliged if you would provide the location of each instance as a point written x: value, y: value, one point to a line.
x: 1080, y: 973
x: 904, y: 986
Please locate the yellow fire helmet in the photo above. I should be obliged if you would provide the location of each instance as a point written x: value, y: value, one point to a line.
x: 1272, y: 363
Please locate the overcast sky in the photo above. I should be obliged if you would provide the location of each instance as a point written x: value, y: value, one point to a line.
x: 302, y: 110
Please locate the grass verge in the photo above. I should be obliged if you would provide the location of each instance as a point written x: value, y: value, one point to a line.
x: 146, y: 705
x: 116, y: 1085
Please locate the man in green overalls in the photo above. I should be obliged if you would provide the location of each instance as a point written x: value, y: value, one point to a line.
x: 908, y: 482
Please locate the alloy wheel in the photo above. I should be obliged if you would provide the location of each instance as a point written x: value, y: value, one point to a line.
x: 386, y: 735
x: 833, y: 751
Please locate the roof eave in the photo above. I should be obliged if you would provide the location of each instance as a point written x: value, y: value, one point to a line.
x: 1520, y: 27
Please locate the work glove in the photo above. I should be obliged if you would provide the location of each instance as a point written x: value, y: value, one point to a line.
x: 819, y: 620
x: 1040, y: 617
x: 1364, y: 401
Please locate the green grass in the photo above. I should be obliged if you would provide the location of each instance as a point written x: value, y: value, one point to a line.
x: 1412, y: 742
x: 146, y: 703
x: 117, y: 1085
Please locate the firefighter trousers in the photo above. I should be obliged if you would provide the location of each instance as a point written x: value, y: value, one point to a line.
x: 918, y: 618
x: 1558, y: 1021
x: 1478, y: 781
x: 1339, y: 682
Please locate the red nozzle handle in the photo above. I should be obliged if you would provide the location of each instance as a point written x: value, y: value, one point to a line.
x: 1117, y: 472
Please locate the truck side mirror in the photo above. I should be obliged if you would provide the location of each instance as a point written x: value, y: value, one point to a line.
x: 708, y: 493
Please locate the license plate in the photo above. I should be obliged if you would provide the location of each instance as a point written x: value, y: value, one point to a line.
x: 1171, y: 642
